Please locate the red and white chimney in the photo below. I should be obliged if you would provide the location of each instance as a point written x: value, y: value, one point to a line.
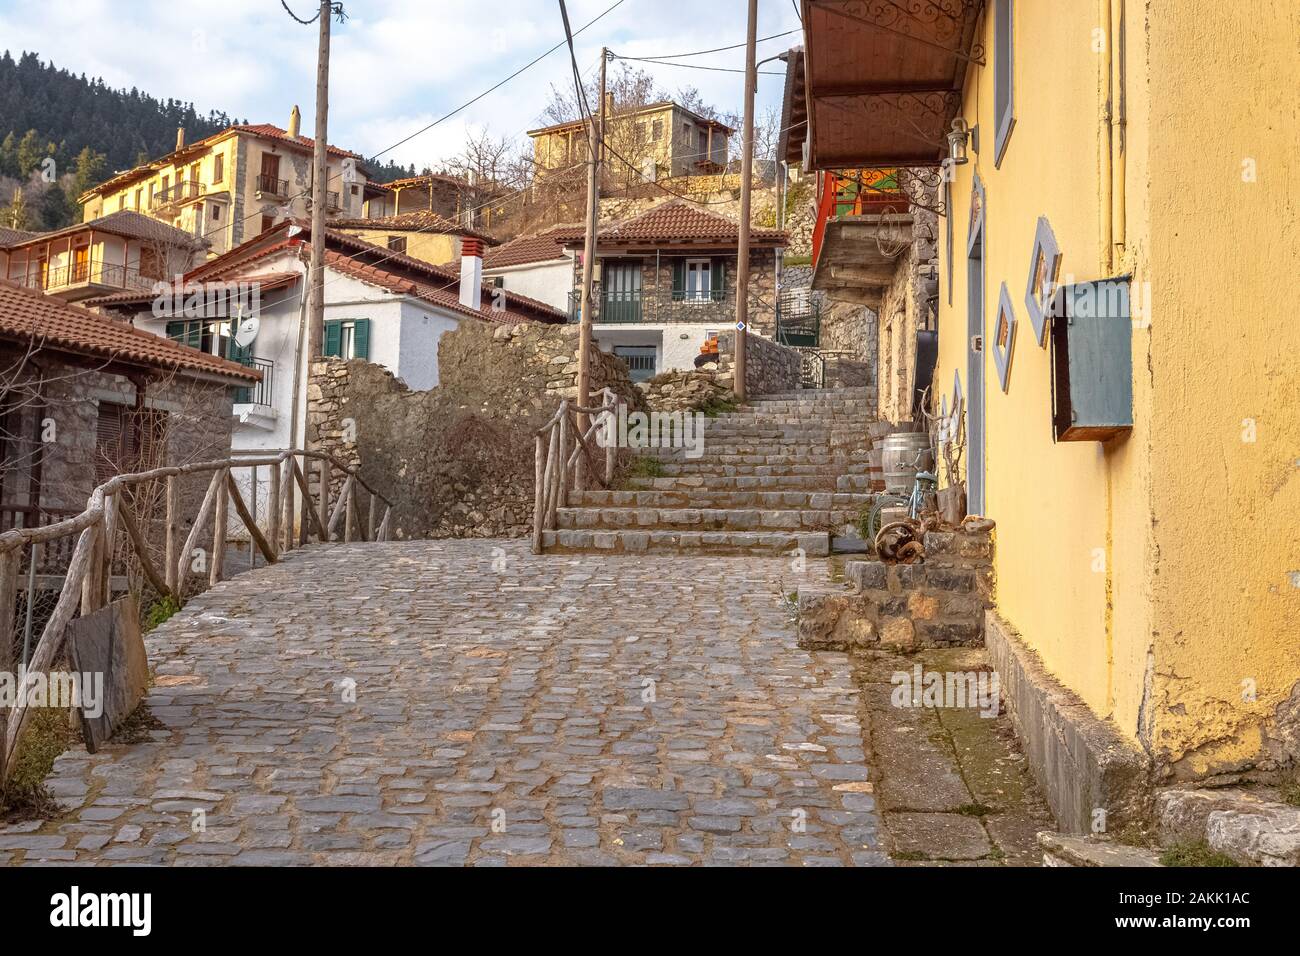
x: 471, y: 273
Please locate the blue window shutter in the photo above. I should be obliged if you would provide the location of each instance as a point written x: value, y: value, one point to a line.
x: 333, y: 338
x: 361, y: 339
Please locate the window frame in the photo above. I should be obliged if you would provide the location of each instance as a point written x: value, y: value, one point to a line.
x: 1004, y: 73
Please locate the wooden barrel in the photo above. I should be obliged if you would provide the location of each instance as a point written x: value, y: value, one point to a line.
x: 900, y: 460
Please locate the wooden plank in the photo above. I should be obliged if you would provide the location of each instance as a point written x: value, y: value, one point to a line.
x: 324, y: 472
x: 340, y: 506
x: 108, y: 642
x: 539, y: 490
x: 309, y: 513
x: 249, y: 521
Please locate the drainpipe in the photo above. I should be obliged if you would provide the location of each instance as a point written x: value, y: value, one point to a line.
x: 1120, y: 215
x: 1105, y: 142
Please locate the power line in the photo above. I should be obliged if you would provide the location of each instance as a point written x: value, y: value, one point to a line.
x: 305, y: 23
x: 696, y: 66
x: 720, y: 49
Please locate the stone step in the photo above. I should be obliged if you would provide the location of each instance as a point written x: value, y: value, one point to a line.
x: 734, y: 455
x: 800, y: 421
x: 812, y: 544
x: 824, y: 483
x: 708, y: 498
x: 858, y: 483
x: 703, y: 519
x: 676, y: 468
x: 815, y: 394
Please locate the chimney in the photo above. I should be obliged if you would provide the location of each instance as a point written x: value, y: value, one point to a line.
x: 471, y: 273
x: 180, y: 138
x: 295, y: 122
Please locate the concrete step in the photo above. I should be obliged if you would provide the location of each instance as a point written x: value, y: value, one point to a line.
x: 823, y: 483
x: 812, y: 544
x: 709, y: 498
x: 703, y: 519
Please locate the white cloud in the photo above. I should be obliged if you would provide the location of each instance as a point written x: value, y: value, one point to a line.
x: 396, y: 65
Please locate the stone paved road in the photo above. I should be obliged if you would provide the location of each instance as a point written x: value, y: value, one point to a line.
x: 508, y: 710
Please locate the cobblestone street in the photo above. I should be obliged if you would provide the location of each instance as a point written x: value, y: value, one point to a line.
x: 588, y: 709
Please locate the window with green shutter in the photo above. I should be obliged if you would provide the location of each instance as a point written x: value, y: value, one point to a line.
x: 347, y: 338
x: 186, y: 333
x: 679, y: 278
x: 718, y: 281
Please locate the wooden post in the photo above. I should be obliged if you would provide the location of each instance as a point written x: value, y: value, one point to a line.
x: 370, y: 521
x: 611, y: 438
x: 553, y: 477
x: 325, y: 498
x: 141, y: 550
x: 340, y: 508
x: 250, y: 521
x: 739, y: 385
x: 595, y: 138
x: 274, y: 507
x: 90, y: 581
x: 183, y: 561
x: 110, y: 539
x: 562, y: 494
x: 219, y: 529
x: 539, y: 491
x: 349, y: 512
x: 10, y: 564
x: 172, y: 532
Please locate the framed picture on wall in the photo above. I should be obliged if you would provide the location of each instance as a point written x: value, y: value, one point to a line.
x: 1044, y: 268
x: 1004, y: 337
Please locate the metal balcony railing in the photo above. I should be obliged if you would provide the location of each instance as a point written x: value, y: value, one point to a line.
x: 272, y: 186
x: 178, y: 195
x: 675, y: 305
x: 262, y: 392
x: 89, y: 272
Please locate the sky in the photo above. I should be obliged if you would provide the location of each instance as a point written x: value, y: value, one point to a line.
x: 396, y: 65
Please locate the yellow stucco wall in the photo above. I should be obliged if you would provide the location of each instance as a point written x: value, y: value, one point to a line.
x: 1111, y: 559
x: 435, y: 248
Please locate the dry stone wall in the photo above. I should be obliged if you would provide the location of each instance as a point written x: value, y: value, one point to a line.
x: 457, y: 460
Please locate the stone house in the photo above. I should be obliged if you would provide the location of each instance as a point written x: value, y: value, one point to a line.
x: 380, y: 305
x: 85, y: 397
x: 451, y: 197
x: 114, y: 253
x: 667, y: 283
x: 660, y: 139
x: 235, y: 184
x: 538, y: 265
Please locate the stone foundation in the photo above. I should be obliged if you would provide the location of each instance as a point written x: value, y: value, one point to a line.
x: 687, y: 391
x: 939, y: 602
x: 1092, y: 776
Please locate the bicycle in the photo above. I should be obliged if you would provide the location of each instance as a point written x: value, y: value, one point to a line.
x: 925, y: 484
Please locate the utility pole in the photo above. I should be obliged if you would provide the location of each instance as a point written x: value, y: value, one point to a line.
x: 596, y: 150
x: 319, y: 192
x: 746, y: 189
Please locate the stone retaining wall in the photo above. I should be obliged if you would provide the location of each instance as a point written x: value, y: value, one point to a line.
x: 457, y: 460
x: 769, y: 367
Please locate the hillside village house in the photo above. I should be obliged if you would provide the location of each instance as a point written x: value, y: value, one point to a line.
x: 666, y: 283
x: 86, y: 397
x: 450, y: 197
x: 664, y: 139
x: 1128, y: 420
x: 114, y: 253
x: 381, y: 306
x: 235, y: 184
x: 420, y: 234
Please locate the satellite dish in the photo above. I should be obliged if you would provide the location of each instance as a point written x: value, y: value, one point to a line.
x: 294, y: 230
x: 246, y: 331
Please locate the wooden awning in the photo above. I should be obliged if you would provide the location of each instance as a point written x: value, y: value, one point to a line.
x: 884, y: 78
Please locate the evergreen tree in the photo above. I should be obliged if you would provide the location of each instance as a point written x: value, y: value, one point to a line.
x: 30, y: 154
x: 9, y: 156
x: 53, y: 210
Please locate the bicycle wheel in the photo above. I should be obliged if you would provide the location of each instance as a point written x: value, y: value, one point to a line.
x: 882, y: 502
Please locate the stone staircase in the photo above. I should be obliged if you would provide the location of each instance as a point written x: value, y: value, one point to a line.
x: 783, y: 472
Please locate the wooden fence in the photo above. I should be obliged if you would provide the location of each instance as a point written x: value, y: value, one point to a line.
x: 562, y: 452
x: 108, y: 517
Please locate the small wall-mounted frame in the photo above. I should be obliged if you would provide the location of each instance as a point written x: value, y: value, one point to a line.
x: 958, y: 406
x: 1092, y: 360
x: 1044, y: 267
x: 1004, y: 337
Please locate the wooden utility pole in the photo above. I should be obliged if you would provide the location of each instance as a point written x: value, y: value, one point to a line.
x: 319, y: 193
x: 746, y: 189
x: 597, y: 141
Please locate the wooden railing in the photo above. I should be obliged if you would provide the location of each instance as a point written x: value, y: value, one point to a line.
x: 560, y: 462
x: 108, y: 515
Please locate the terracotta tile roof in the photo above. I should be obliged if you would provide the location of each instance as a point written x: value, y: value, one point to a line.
x: 28, y: 315
x: 266, y: 130
x: 427, y: 178
x: 382, y: 267
x: 9, y: 237
x: 127, y: 224
x: 421, y: 220
x: 680, y: 221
